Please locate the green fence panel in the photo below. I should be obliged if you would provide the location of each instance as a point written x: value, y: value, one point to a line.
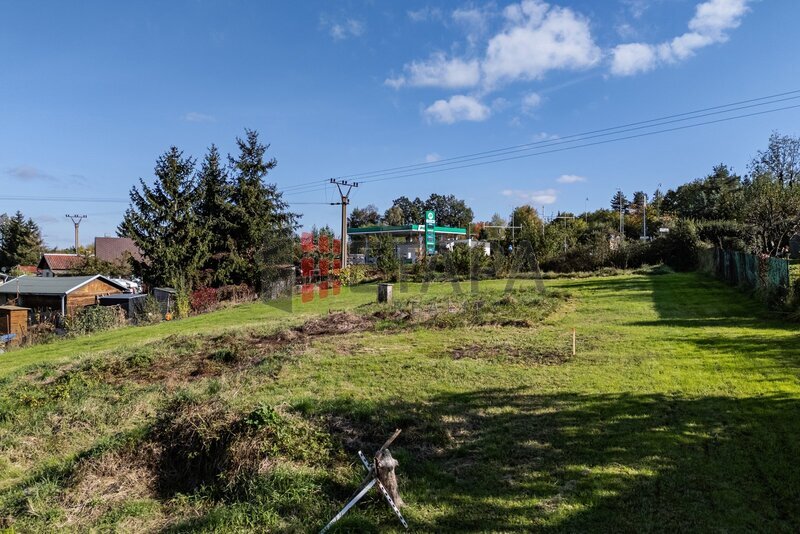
x: 769, y: 276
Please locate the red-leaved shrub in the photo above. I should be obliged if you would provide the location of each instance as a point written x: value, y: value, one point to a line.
x: 204, y: 299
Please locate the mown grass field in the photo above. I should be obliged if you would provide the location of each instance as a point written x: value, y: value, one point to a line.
x: 680, y: 412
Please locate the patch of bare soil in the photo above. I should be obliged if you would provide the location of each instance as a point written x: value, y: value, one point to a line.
x: 532, y: 355
x: 336, y: 324
x: 231, y: 352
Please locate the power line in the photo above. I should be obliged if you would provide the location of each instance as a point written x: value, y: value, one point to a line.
x: 595, y: 143
x: 566, y: 140
x: 65, y: 199
x: 502, y: 154
x: 583, y: 134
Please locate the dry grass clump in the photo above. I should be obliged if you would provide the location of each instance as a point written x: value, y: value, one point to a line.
x: 100, y: 483
x: 195, y: 446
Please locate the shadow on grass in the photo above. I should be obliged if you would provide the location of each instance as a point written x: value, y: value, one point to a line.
x: 503, y: 460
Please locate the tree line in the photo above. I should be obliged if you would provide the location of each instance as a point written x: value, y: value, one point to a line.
x: 221, y: 222
x: 756, y: 213
x: 450, y: 211
x: 20, y: 242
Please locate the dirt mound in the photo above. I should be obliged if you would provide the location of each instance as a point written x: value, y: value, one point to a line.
x: 193, y: 358
x: 192, y: 446
x: 335, y: 324
x: 99, y: 483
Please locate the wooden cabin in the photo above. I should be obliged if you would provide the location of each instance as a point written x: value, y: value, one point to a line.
x: 65, y: 294
x: 14, y: 320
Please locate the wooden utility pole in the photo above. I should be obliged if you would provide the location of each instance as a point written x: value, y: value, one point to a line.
x: 76, y: 220
x: 345, y: 201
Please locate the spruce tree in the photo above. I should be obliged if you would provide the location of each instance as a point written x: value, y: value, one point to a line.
x: 20, y: 241
x: 162, y: 222
x: 215, y: 213
x: 263, y: 226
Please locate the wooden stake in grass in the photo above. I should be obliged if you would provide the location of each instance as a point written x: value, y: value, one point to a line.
x: 573, y: 342
x: 381, y: 473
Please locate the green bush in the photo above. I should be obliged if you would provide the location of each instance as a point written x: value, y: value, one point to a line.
x: 149, y: 313
x: 94, y: 319
x: 352, y: 275
x: 465, y: 261
x: 386, y: 257
x: 730, y: 235
x: 680, y: 248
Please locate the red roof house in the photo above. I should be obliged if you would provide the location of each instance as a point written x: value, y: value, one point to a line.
x: 28, y: 269
x: 59, y: 264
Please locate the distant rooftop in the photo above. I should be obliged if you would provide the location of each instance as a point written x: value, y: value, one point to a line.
x: 114, y: 249
x: 60, y: 262
x: 61, y: 285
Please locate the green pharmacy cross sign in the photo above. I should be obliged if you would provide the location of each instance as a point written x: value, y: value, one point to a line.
x: 430, y: 231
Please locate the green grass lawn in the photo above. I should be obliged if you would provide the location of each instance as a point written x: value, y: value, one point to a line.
x: 680, y: 412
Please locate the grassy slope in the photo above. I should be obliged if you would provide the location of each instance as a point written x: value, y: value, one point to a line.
x: 681, y: 411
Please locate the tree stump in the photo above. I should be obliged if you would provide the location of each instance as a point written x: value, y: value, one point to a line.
x: 386, y: 465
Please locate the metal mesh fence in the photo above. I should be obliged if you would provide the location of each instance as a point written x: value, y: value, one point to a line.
x: 766, y: 275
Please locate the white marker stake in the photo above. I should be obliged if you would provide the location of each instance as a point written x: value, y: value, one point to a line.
x: 364, y: 490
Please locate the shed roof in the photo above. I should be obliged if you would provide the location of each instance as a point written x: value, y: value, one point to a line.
x: 62, y: 285
x: 124, y: 296
x: 10, y: 307
x: 113, y: 249
x: 60, y: 262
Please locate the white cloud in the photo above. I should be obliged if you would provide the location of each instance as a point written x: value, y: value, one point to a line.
x: 27, y: 173
x: 457, y: 108
x: 194, y: 116
x: 570, y: 179
x: 636, y: 7
x: 544, y: 196
x: 474, y: 21
x: 531, y: 101
x: 539, y: 38
x: 709, y: 25
x: 544, y: 136
x: 632, y: 58
x: 626, y: 31
x: 425, y: 14
x: 536, y: 38
x: 341, y: 30
x: 432, y: 157
x: 439, y: 71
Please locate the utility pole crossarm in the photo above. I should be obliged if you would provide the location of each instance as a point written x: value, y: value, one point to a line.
x: 345, y: 196
x: 76, y: 220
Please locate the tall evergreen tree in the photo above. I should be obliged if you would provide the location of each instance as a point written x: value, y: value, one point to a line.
x: 163, y: 223
x: 215, y: 213
x: 262, y: 225
x: 619, y: 199
x: 20, y: 241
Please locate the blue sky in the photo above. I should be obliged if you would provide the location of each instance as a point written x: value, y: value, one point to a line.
x: 92, y: 92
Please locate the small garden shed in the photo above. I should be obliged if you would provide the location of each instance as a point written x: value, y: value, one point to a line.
x: 131, y: 303
x: 65, y: 294
x: 14, y: 320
